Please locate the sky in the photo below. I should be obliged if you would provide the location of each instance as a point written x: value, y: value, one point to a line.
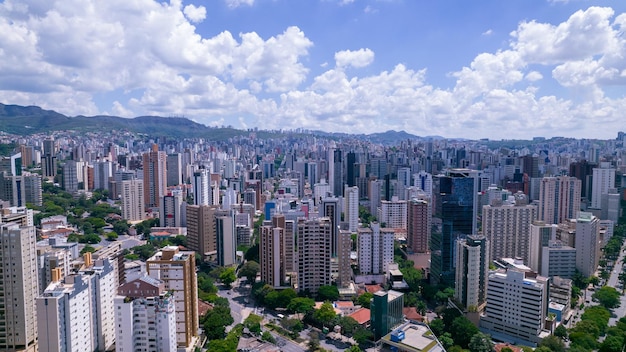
x: 493, y: 69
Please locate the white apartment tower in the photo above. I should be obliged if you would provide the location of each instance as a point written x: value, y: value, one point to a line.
x: 393, y: 213
x: 145, y: 317
x: 588, y: 243
x: 472, y: 269
x: 132, y: 200
x: 603, y: 180
x: 314, y: 253
x: 540, y: 236
x: 351, y: 210
x: 375, y: 249
x: 507, y: 229
x: 271, y: 255
x: 18, y: 281
x: 201, y: 187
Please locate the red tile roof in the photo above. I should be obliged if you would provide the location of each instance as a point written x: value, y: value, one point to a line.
x: 362, y: 316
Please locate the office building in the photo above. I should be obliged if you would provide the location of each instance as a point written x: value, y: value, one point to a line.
x: 145, y: 317
x: 375, y: 249
x: 174, y: 165
x: 154, y: 177
x: 132, y: 200
x: 472, y: 268
x: 314, y: 254
x: 588, y: 243
x: 386, y: 312
x: 559, y: 199
x: 19, y: 286
x: 558, y: 259
x: 177, y: 269
x: 32, y: 189
x: 517, y: 305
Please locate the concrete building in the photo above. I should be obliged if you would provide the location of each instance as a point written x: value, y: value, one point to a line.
x: 419, y: 214
x: 173, y: 210
x: 133, y: 200
x: 375, y: 249
x: 272, y: 255
x: 225, y: 240
x: 540, y: 236
x: 344, y: 274
x: 517, y: 302
x: 201, y: 231
x: 19, y: 286
x: 507, y: 228
x: 174, y: 166
x: 331, y: 209
x: 32, y: 188
x: 201, y: 187
x: 588, y: 243
x: 393, y: 213
x: 314, y: 253
x: 177, y: 269
x: 145, y: 317
x: 559, y: 199
x: 558, y: 259
x: 472, y: 268
x: 351, y: 209
x: 154, y: 177
x: 603, y: 180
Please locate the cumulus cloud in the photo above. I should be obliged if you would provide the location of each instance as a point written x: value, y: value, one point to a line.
x: 195, y: 14
x: 358, y: 58
x: 488, y: 32
x: 156, y: 62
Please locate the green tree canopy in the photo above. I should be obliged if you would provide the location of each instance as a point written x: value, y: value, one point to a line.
x: 608, y: 297
x: 249, y: 270
x: 554, y: 343
x: 228, y: 276
x: 325, y: 314
x: 480, y: 343
x: 364, y: 300
x: 301, y: 305
x: 328, y: 293
x: 462, y: 331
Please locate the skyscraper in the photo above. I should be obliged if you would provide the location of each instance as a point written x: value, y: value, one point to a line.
x: 154, y: 177
x: 507, y: 228
x: 351, y: 210
x: 271, y: 255
x: 419, y: 224
x: 603, y: 180
x: 472, y: 268
x: 173, y: 210
x: 132, y: 200
x: 201, y: 232
x: 201, y: 189
x: 331, y: 210
x: 375, y: 249
x: 225, y: 240
x: 18, y: 282
x: 314, y: 254
x: 587, y: 243
x: 559, y: 199
x: 177, y: 269
x: 174, y: 164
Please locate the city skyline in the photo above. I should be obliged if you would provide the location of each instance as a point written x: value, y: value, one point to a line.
x: 500, y: 70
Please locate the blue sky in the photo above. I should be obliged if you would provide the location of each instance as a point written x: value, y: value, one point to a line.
x: 488, y: 69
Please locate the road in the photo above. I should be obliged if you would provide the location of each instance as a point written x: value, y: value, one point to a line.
x: 239, y: 310
x: 613, y: 282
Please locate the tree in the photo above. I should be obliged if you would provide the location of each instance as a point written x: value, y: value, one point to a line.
x: 599, y: 316
x: 594, y: 280
x: 463, y: 330
x: 622, y: 278
x: 348, y: 325
x: 267, y: 336
x: 608, y: 297
x: 249, y: 270
x: 112, y: 236
x: 364, y: 300
x: 437, y: 326
x: 362, y: 335
x: 301, y: 305
x: 554, y: 343
x: 228, y: 276
x: 86, y: 249
x: 560, y: 332
x: 253, y: 323
x: 612, y: 344
x: 325, y: 314
x: 446, y: 340
x: 328, y: 293
x: 354, y: 349
x: 480, y: 343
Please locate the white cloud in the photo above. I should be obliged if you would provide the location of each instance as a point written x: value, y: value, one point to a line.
x: 488, y: 32
x: 236, y: 3
x: 533, y: 76
x: 195, y: 14
x: 358, y: 58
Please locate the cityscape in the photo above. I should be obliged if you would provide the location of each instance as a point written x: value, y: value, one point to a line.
x: 116, y: 240
x: 317, y: 175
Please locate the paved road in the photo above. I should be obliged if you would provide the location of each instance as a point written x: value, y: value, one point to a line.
x: 613, y: 282
x: 239, y: 310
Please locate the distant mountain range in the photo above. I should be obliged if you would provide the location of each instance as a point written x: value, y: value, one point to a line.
x: 27, y: 120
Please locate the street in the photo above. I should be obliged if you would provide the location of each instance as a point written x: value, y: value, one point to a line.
x: 613, y: 282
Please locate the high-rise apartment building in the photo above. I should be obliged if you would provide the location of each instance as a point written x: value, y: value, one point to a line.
x: 603, y: 180
x: 32, y: 189
x: 419, y: 224
x: 314, y: 253
x: 132, y: 200
x: 393, y: 213
x: 154, y: 177
x: 201, y: 188
x: 201, y: 232
x: 18, y: 282
x: 145, y: 317
x: 588, y: 243
x: 225, y: 240
x: 177, y: 269
x: 351, y: 210
x: 173, y: 209
x: 540, y: 236
x: 472, y: 269
x: 559, y: 199
x: 558, y: 259
x: 344, y: 275
x: 272, y: 255
x: 174, y: 164
x: 507, y: 228
x: 331, y: 209
x: 103, y: 171
x: 375, y: 249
